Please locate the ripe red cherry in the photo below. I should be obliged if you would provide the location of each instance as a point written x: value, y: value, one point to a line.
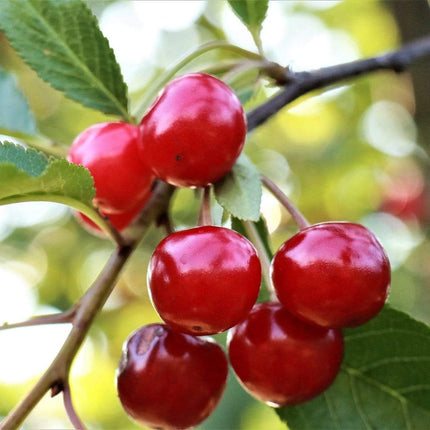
x: 281, y: 360
x: 119, y: 220
x: 194, y: 131
x: 332, y: 274
x: 204, y: 280
x: 110, y: 151
x: 168, y: 379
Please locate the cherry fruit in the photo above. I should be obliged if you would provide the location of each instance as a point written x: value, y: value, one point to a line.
x: 110, y: 151
x: 333, y: 274
x: 168, y: 379
x: 281, y: 360
x: 194, y: 131
x: 204, y: 280
x: 119, y: 220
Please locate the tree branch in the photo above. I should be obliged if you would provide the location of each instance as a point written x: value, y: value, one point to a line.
x: 86, y: 310
x: 300, y: 83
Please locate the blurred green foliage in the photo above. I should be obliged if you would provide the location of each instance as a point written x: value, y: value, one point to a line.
x: 322, y: 151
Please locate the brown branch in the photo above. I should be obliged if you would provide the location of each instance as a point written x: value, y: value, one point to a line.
x: 298, y: 84
x: 89, y: 305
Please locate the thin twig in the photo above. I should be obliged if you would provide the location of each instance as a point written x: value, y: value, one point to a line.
x: 262, y: 254
x: 58, y: 318
x: 298, y: 217
x: 298, y: 84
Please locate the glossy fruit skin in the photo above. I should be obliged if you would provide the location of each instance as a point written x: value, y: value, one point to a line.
x: 281, y: 360
x: 194, y: 131
x: 110, y: 151
x: 333, y: 274
x: 168, y: 379
x: 204, y: 280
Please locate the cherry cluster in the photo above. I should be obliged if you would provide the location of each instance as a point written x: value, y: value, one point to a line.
x: 206, y: 280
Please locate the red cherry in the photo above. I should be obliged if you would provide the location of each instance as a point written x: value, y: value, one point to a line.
x: 168, y: 379
x: 332, y: 274
x: 204, y: 280
x: 194, y: 131
x: 119, y: 220
x: 110, y: 151
x: 281, y: 360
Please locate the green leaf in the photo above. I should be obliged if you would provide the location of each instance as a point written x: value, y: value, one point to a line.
x: 15, y: 113
x: 62, y: 42
x: 260, y: 225
x: 27, y: 175
x: 239, y: 192
x: 30, y: 161
x: 384, y: 382
x: 252, y: 13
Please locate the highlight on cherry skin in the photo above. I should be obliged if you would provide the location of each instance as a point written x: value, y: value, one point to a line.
x: 194, y: 131
x: 204, y: 280
x: 110, y: 151
x: 281, y: 360
x: 333, y: 274
x: 170, y: 380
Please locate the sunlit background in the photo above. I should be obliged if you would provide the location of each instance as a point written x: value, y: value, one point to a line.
x: 353, y: 152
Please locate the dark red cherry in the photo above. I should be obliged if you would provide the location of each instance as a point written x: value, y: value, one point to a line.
x: 204, y: 280
x: 194, y: 131
x: 332, y: 274
x: 281, y: 360
x: 170, y: 380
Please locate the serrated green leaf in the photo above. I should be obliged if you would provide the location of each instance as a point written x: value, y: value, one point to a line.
x: 15, y: 113
x: 27, y: 175
x: 30, y: 161
x: 384, y: 382
x: 239, y: 192
x: 62, y: 42
x: 252, y: 13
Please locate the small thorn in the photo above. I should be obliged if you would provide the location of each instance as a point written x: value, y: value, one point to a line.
x: 56, y: 388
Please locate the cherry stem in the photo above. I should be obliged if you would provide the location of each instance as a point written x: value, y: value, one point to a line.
x: 70, y: 410
x: 244, y: 66
x: 59, y: 318
x: 298, y: 217
x: 205, y: 215
x: 255, y: 238
x: 170, y: 74
x: 114, y: 233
